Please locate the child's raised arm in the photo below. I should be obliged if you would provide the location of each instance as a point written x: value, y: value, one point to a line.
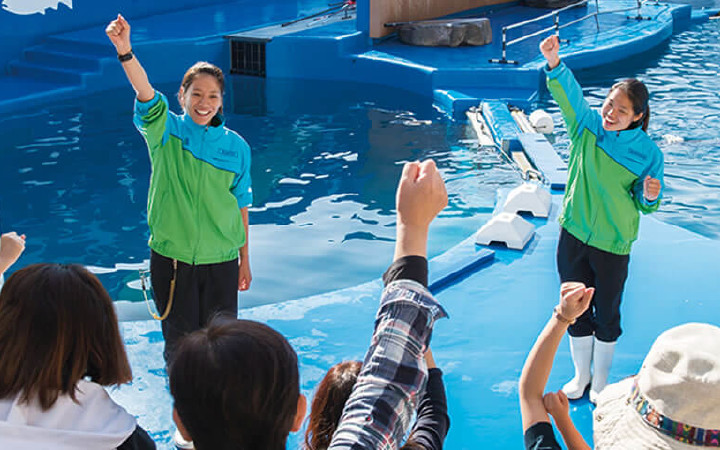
x: 549, y: 48
x: 11, y: 247
x: 574, y: 300
x: 556, y: 404
x: 119, y: 33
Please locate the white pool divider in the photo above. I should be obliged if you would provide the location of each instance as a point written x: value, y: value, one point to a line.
x: 528, y: 197
x: 507, y: 228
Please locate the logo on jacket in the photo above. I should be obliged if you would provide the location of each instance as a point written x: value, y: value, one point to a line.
x: 25, y: 7
x: 636, y: 154
x: 227, y: 152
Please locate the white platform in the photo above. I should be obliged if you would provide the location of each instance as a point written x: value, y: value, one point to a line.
x: 507, y: 228
x: 529, y: 197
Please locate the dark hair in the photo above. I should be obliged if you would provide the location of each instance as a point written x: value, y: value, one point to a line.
x: 328, y: 403
x: 199, y: 68
x: 327, y: 406
x: 235, y: 385
x: 57, y: 325
x: 639, y: 96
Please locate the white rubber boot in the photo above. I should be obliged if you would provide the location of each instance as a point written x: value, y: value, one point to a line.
x: 602, y: 360
x: 581, y: 349
x: 181, y: 443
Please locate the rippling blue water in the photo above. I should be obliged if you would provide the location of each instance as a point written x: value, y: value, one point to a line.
x: 326, y: 158
x: 325, y: 164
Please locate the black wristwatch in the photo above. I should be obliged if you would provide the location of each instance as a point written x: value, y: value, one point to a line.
x: 125, y: 56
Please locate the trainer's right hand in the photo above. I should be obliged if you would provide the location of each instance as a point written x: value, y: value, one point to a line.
x: 119, y: 33
x: 549, y: 47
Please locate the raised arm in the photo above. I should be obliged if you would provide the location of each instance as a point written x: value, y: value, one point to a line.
x: 11, y: 247
x: 550, y: 49
x: 383, y: 401
x: 119, y: 33
x: 574, y: 300
x: 566, y: 91
x: 556, y: 404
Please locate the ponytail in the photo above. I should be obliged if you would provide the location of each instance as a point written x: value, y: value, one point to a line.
x: 646, y: 119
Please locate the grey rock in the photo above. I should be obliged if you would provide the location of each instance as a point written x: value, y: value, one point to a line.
x: 449, y: 33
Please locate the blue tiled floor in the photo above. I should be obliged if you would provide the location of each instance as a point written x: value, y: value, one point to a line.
x: 495, y: 316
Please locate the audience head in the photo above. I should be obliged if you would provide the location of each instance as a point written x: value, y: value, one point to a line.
x: 671, y: 399
x: 236, y: 384
x: 327, y: 406
x: 328, y: 403
x: 57, y: 326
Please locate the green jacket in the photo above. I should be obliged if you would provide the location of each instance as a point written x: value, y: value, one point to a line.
x: 606, y: 170
x: 200, y: 179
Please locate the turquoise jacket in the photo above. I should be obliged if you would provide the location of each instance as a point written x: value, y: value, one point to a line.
x: 606, y: 171
x: 200, y: 179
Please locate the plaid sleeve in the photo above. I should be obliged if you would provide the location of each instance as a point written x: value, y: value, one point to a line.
x: 380, y: 409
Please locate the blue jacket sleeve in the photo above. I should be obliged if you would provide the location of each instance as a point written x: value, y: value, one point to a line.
x: 242, y: 183
x: 576, y: 111
x: 655, y: 170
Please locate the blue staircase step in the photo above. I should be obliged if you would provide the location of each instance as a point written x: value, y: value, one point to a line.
x: 85, y: 48
x: 64, y: 60
x: 24, y: 93
x: 41, y: 72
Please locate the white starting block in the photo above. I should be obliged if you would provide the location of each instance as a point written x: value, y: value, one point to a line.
x: 528, y: 197
x: 508, y: 228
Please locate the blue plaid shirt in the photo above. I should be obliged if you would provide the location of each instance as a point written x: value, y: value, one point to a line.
x: 382, y: 404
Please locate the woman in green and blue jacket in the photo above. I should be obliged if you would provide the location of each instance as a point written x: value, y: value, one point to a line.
x: 615, y: 171
x: 198, y: 199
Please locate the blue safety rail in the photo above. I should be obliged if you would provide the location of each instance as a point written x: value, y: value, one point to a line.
x: 544, y: 157
x: 506, y: 132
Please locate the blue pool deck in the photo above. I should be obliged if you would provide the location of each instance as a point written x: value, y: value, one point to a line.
x: 495, y: 314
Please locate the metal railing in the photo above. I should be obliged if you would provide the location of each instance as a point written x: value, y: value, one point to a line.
x: 555, y: 15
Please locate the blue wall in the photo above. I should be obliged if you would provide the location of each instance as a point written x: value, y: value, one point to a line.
x: 18, y: 31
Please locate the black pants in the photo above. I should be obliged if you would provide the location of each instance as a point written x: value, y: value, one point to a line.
x: 201, y: 291
x: 606, y: 272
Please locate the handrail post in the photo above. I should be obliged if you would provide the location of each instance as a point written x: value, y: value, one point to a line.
x: 504, y: 44
x: 639, y: 12
x: 597, y: 12
x: 504, y: 59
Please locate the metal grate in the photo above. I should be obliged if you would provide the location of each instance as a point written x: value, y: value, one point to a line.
x: 247, y: 57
